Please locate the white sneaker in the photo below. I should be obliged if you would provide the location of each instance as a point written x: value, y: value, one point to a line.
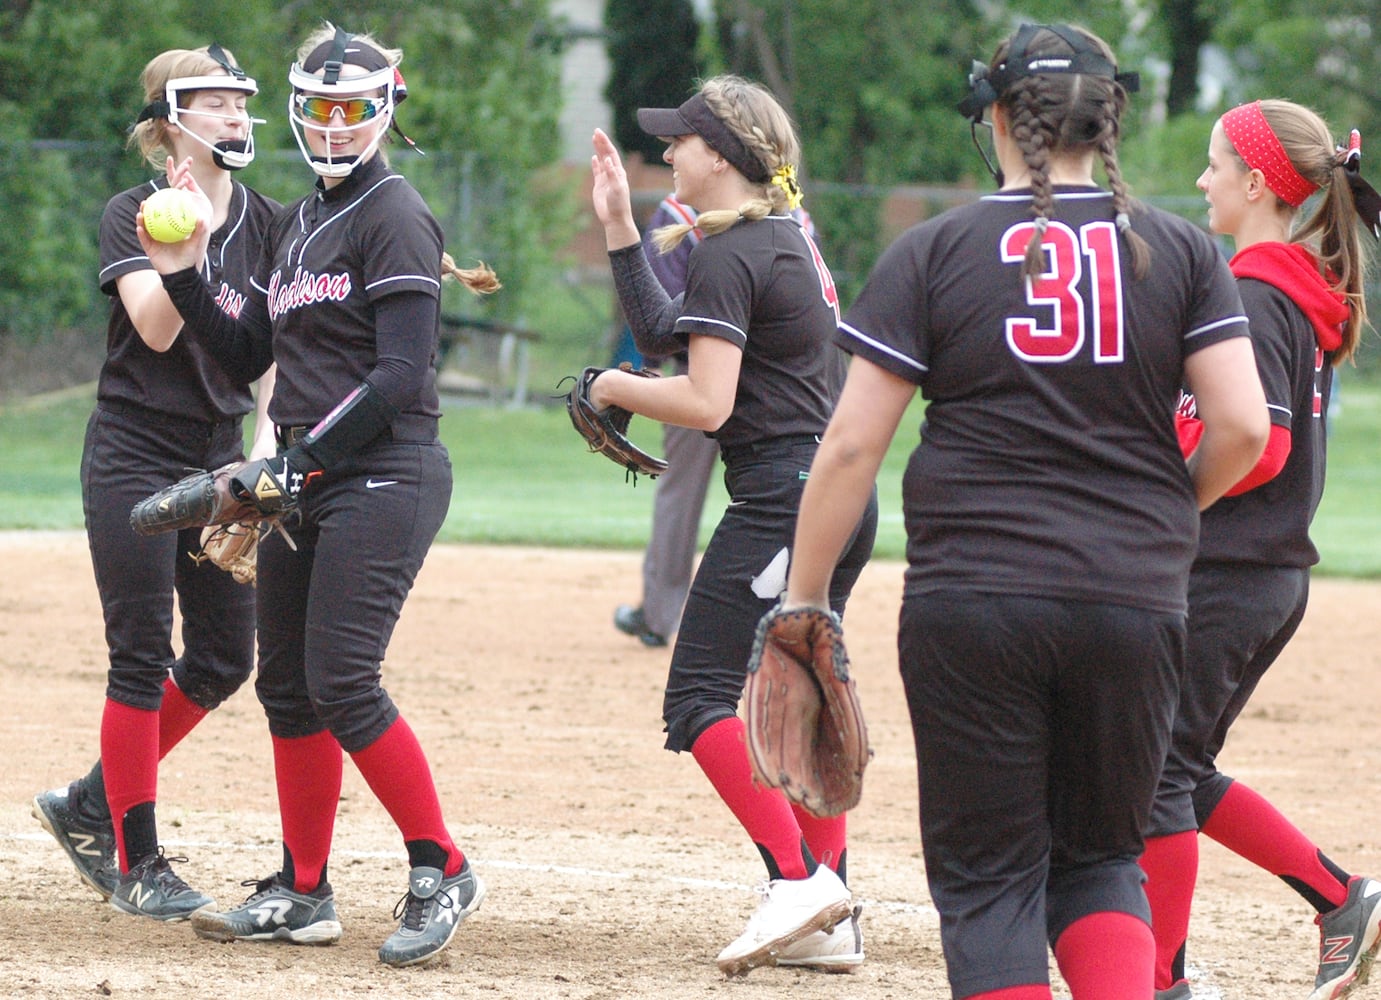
x: 832, y: 949
x: 790, y: 910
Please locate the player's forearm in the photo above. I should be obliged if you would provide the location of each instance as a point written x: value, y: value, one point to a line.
x: 1230, y: 402
x: 242, y: 349
x: 1224, y: 456
x: 650, y: 311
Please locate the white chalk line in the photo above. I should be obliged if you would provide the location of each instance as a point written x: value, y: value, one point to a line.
x: 575, y: 871
x: 1203, y: 989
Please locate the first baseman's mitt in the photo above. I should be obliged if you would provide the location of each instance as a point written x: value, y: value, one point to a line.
x: 805, y: 728
x: 606, y: 430
x: 218, y: 497
x: 234, y: 547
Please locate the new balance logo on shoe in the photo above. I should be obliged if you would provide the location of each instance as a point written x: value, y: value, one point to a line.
x: 139, y: 895
x: 87, y: 844
x: 87, y: 840
x: 152, y: 889
x: 1336, y: 950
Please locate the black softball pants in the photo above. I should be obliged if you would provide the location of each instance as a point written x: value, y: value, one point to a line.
x: 328, y: 609
x: 129, y: 453
x: 741, y: 576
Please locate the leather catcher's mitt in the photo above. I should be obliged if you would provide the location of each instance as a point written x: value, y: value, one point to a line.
x: 606, y: 430
x: 234, y: 547
x: 199, y: 499
x: 805, y: 729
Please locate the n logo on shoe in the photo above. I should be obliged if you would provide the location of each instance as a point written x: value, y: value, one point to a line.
x: 139, y: 894
x: 272, y: 912
x: 85, y: 843
x: 1335, y: 950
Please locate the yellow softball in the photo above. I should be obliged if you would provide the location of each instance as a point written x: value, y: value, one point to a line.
x: 170, y: 215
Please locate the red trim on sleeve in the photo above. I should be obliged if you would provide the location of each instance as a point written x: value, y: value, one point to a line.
x: 1270, y: 463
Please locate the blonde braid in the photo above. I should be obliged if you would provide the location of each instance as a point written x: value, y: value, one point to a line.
x: 479, y: 280
x: 735, y: 114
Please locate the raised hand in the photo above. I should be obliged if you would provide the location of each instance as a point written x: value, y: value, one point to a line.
x: 612, y: 201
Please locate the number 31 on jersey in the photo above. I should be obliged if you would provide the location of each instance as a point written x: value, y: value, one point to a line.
x: 1058, y: 291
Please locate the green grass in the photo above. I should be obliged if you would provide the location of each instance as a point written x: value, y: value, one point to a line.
x: 1347, y: 527
x: 522, y: 477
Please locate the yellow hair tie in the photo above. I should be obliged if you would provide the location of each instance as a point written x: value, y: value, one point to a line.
x: 785, y: 178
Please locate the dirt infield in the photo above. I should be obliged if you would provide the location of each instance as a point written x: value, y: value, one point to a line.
x: 613, y: 870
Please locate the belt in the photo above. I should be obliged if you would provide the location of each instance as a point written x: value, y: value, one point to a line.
x: 289, y: 436
x: 768, y: 446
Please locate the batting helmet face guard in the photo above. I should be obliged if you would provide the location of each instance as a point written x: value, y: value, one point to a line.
x: 229, y: 154
x: 327, y: 100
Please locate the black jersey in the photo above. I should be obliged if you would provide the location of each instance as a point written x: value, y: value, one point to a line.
x: 1048, y: 460
x: 185, y: 380
x: 333, y: 255
x: 764, y: 286
x: 1270, y: 524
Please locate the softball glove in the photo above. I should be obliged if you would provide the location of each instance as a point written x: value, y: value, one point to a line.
x: 606, y: 430
x: 805, y: 729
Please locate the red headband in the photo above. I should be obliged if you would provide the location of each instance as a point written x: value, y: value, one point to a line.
x: 1250, y: 134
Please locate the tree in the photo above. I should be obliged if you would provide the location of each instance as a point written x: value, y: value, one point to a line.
x: 652, y: 45
x: 1187, y: 29
x: 873, y: 89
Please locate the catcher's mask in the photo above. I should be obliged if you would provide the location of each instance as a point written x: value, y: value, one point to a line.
x: 229, y: 154
x: 987, y: 84
x: 320, y: 96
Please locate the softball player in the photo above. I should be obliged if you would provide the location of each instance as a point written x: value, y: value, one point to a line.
x: 669, y: 560
x: 757, y: 315
x: 163, y: 404
x: 1250, y: 583
x: 346, y: 299
x: 1051, y: 519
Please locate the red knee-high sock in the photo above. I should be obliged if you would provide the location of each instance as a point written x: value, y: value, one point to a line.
x: 129, y: 748
x: 1171, y: 865
x: 826, y: 838
x: 396, y: 770
x: 177, y: 717
x: 1248, y: 825
x: 1107, y: 956
x: 764, y: 812
x: 308, y: 770
x: 1036, y: 991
